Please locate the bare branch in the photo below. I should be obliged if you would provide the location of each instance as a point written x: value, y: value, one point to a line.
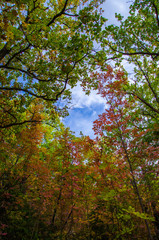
x: 71, y: 15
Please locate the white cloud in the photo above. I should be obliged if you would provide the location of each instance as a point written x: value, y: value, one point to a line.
x: 111, y: 7
x: 81, y: 120
x: 83, y: 111
x: 81, y: 100
x: 120, y: 5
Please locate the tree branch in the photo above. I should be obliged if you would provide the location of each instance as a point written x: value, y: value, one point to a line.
x: 71, y: 15
x: 27, y: 91
x: 17, y: 53
x: 4, y: 51
x: 135, y: 53
x: 147, y: 79
x: 19, y: 123
x: 26, y: 72
x: 8, y: 111
x: 143, y: 101
x: 156, y: 12
x: 58, y: 14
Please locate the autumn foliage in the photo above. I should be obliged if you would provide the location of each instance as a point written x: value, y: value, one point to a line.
x: 54, y: 185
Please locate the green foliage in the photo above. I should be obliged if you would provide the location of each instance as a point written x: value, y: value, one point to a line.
x: 46, y: 47
x: 135, y: 40
x: 54, y: 185
x: 138, y: 214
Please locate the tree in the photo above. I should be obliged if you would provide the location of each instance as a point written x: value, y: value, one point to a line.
x: 18, y: 149
x: 139, y: 46
x: 122, y: 129
x: 45, y: 190
x: 55, y: 185
x: 46, y: 48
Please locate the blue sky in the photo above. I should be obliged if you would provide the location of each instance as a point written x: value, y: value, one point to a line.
x: 85, y: 109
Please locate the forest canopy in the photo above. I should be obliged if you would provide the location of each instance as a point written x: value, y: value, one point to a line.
x: 46, y: 48
x: 53, y: 184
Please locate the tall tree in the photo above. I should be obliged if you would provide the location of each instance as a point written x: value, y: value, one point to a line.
x: 135, y: 40
x: 122, y: 128
x: 46, y: 47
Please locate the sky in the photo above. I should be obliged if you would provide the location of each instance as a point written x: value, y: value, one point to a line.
x: 85, y: 109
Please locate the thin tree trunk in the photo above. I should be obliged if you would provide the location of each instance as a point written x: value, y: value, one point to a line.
x: 135, y: 185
